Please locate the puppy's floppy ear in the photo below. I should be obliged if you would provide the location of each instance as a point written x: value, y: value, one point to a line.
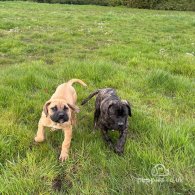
x: 128, y: 106
x: 109, y: 104
x: 74, y: 108
x: 104, y: 106
x: 45, y: 107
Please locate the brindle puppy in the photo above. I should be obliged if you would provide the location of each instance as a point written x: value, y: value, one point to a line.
x: 111, y: 113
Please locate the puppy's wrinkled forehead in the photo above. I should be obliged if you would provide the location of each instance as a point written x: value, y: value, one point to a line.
x: 58, y: 105
x: 118, y: 109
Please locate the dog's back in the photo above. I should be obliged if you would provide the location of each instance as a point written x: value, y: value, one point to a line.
x: 66, y: 90
x: 107, y: 93
x: 101, y: 95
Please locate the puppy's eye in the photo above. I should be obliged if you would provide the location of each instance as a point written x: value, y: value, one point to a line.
x: 54, y: 108
x: 111, y: 115
x: 65, y: 108
x: 111, y: 111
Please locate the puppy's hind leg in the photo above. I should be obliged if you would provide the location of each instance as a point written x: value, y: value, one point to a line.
x: 40, y: 137
x: 96, y: 116
x: 97, y: 111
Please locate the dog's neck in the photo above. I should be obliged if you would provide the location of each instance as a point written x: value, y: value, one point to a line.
x: 56, y: 126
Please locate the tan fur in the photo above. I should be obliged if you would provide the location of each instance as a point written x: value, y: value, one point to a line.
x: 65, y: 95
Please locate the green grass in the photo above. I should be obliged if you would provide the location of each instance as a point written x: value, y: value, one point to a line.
x: 141, y: 53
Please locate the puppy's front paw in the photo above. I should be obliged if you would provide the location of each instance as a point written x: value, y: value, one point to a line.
x: 118, y: 150
x: 63, y: 156
x: 39, y: 139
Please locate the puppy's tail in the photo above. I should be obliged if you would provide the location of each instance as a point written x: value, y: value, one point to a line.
x: 89, y: 97
x: 70, y: 82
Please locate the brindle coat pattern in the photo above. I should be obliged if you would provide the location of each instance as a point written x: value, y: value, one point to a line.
x: 111, y: 113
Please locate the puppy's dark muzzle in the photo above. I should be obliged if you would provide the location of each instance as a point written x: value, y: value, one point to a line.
x: 60, y: 117
x: 121, y: 125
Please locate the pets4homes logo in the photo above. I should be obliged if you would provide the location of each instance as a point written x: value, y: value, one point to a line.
x: 159, y: 174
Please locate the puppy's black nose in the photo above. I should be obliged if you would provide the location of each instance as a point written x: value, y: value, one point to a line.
x: 60, y: 114
x: 120, y: 124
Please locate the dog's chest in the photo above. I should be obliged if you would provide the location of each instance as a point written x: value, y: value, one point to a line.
x: 55, y: 126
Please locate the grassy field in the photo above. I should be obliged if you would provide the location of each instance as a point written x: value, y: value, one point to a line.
x: 147, y: 56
